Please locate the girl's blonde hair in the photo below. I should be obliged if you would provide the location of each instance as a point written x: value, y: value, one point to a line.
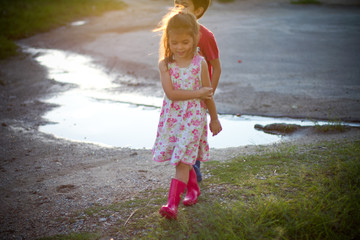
x: 178, y: 21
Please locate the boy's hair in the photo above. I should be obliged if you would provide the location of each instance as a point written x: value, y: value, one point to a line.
x: 177, y: 21
x: 201, y: 3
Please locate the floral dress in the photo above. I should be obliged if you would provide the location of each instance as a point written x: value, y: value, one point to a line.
x: 182, y: 129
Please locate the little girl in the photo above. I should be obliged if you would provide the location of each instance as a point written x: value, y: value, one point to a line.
x: 182, y: 130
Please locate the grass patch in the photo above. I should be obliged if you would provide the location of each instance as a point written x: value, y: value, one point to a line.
x: 74, y: 236
x: 331, y: 127
x: 7, y: 48
x: 306, y: 2
x: 24, y: 18
x: 288, y: 193
x: 291, y: 192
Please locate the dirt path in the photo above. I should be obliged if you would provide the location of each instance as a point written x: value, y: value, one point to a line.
x: 43, y: 178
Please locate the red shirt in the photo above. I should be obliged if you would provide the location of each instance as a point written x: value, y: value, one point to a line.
x: 208, y: 46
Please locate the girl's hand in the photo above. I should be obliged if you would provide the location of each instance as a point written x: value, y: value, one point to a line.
x: 206, y: 93
x: 215, y: 127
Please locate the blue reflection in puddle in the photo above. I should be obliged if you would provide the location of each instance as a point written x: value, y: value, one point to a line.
x: 92, y: 113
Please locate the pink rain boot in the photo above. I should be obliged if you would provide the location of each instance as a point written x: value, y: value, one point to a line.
x: 193, y: 190
x: 177, y: 188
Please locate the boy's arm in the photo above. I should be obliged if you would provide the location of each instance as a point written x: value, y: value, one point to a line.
x: 215, y: 126
x: 216, y: 66
x: 209, y: 49
x: 180, y: 95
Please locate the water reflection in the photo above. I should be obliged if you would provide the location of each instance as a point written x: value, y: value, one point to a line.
x: 107, y: 122
x: 78, y: 23
x: 72, y: 68
x: 92, y: 113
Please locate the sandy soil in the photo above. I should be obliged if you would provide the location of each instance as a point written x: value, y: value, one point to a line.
x: 44, y: 178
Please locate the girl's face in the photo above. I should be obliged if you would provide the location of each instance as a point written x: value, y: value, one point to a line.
x: 181, y: 45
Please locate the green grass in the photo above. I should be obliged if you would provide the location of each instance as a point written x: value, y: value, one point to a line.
x: 7, y: 47
x: 331, y: 127
x: 289, y: 192
x: 24, y: 18
x: 305, y: 2
x: 73, y: 236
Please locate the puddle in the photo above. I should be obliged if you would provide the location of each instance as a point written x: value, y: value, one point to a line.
x: 78, y: 23
x: 93, y: 113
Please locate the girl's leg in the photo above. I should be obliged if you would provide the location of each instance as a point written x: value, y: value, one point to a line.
x: 197, y: 170
x: 193, y: 190
x: 177, y: 188
x: 182, y: 172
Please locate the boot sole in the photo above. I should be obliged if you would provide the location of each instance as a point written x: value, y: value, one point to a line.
x: 166, y: 214
x: 189, y: 203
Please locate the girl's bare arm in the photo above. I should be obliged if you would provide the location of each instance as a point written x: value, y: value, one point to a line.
x: 181, y: 95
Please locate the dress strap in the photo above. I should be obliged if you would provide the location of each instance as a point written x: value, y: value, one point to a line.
x: 197, y: 59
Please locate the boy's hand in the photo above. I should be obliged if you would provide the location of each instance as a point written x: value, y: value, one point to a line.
x: 215, y: 127
x: 206, y: 93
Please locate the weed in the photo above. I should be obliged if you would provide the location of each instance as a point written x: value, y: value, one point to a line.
x: 7, y: 48
x: 306, y: 2
x: 24, y: 18
x: 73, y: 236
x: 332, y: 126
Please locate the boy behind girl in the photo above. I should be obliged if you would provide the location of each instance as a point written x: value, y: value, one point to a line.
x: 208, y: 49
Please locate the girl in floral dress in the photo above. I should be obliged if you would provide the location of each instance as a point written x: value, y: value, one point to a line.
x: 182, y: 130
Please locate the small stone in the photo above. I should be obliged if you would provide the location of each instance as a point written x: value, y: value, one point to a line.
x: 133, y: 154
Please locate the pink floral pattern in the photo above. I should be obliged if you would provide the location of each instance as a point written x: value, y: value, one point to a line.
x: 182, y: 129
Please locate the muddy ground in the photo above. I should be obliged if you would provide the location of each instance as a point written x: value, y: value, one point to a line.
x: 296, y: 61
